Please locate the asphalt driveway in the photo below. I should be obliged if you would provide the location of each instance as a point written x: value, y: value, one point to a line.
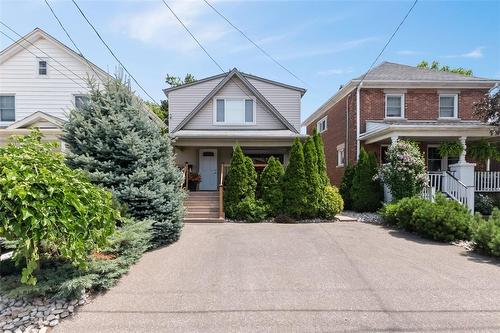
x: 299, y: 278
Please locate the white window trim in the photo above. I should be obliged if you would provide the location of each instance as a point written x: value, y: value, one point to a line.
x: 214, y: 102
x: 325, y: 120
x: 455, y: 106
x: 15, y: 109
x: 340, y: 149
x: 402, y: 106
x: 38, y: 67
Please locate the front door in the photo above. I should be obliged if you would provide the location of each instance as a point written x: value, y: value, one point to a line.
x: 208, y: 169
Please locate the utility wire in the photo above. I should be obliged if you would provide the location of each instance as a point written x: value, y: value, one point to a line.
x: 39, y: 49
x: 71, y: 39
x: 254, y: 43
x: 111, y: 51
x: 388, y: 41
x: 48, y: 63
x: 195, y: 39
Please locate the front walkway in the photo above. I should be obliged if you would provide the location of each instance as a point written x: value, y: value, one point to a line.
x: 284, y: 278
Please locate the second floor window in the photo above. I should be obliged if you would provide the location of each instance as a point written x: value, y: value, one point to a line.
x: 322, y: 125
x: 42, y: 67
x: 7, y: 108
x: 81, y: 100
x: 394, y: 105
x: 234, y: 111
x: 448, y: 106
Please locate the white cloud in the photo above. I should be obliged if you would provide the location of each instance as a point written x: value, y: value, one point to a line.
x: 320, y: 51
x: 408, y: 52
x: 335, y: 71
x: 157, y: 26
x: 476, y: 53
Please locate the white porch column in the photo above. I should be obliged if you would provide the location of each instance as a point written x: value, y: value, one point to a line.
x: 464, y: 172
x: 464, y: 152
x: 394, y: 139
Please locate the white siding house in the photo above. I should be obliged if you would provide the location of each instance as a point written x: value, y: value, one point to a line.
x: 41, y: 79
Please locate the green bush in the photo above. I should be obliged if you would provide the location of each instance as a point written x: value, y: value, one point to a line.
x: 320, y: 152
x: 443, y: 220
x: 314, y: 186
x: 366, y: 192
x: 270, y: 185
x: 48, y: 208
x: 251, y: 210
x: 119, y: 147
x: 331, y: 203
x: 294, y: 183
x: 486, y: 234
x: 238, y: 185
x: 345, y: 186
x: 483, y: 204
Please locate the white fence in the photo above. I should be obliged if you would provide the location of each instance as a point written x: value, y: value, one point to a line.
x: 487, y: 181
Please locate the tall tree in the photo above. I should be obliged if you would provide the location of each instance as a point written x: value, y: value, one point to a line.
x: 113, y: 140
x: 320, y: 153
x: 489, y: 109
x: 313, y: 180
x: 366, y: 192
x: 294, y: 182
x: 445, y: 68
x: 270, y: 185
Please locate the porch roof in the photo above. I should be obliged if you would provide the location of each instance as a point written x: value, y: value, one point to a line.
x: 381, y: 130
x: 229, y: 137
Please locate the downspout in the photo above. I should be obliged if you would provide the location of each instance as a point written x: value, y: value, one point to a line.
x: 347, y: 131
x: 358, y: 120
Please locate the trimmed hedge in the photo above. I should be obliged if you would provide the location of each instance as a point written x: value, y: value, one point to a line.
x: 294, y: 183
x: 270, y: 185
x: 331, y: 203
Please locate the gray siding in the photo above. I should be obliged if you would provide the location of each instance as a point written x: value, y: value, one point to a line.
x: 182, y: 101
x: 234, y: 88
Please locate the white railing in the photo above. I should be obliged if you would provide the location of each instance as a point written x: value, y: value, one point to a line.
x: 428, y: 193
x: 458, y: 190
x: 487, y: 181
x: 436, y: 180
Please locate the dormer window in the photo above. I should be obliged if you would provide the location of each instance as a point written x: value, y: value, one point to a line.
x: 448, y: 106
x: 394, y: 105
x: 234, y: 111
x: 42, y: 67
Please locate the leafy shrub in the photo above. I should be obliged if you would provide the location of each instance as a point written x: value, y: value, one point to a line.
x: 345, y: 186
x: 443, y: 220
x: 251, y: 210
x: 61, y: 279
x: 404, y: 173
x: 486, y: 233
x: 366, y: 192
x: 119, y: 147
x: 314, y: 186
x: 331, y: 203
x: 294, y: 182
x: 320, y: 152
x: 451, y: 149
x: 270, y: 185
x: 483, y: 204
x: 50, y: 209
x: 285, y: 219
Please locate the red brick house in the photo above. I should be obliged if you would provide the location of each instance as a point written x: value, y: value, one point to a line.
x: 398, y: 101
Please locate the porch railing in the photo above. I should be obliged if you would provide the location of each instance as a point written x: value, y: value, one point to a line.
x: 185, y: 172
x: 487, y: 181
x: 436, y: 180
x: 447, y: 183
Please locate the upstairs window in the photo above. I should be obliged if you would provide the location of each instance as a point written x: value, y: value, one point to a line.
x: 234, y: 111
x: 322, y: 125
x: 394, y: 105
x: 80, y: 101
x: 448, y: 106
x: 7, y: 108
x: 42, y: 67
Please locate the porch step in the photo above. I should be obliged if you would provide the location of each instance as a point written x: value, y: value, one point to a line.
x: 202, y: 207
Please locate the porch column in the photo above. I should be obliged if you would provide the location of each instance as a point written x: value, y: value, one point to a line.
x: 394, y: 139
x: 465, y: 173
x: 464, y: 152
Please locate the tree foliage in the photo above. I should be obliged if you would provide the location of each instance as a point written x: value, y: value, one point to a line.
x: 488, y: 109
x: 366, y: 191
x: 435, y: 65
x: 294, y: 182
x: 331, y: 202
x: 483, y: 150
x: 113, y: 140
x: 160, y: 110
x: 320, y: 153
x: 175, y: 81
x: 270, y: 185
x: 346, y: 184
x: 49, y: 209
x: 314, y: 186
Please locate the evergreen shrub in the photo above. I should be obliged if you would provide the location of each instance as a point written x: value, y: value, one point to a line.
x: 331, y: 203
x: 314, y: 186
x: 366, y: 191
x: 486, y: 233
x: 270, y: 185
x: 294, y: 183
x: 345, y: 186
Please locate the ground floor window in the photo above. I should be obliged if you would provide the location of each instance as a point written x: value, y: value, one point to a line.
x: 341, y: 155
x: 435, y: 162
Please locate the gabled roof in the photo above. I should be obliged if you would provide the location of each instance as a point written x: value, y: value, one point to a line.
x: 38, y: 34
x: 35, y: 118
x: 248, y: 85
x: 389, y: 71
x: 248, y: 76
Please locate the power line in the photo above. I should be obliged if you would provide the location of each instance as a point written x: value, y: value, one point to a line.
x: 255, y: 44
x: 390, y: 39
x: 71, y: 39
x: 189, y: 32
x: 48, y: 63
x: 111, y: 51
x: 39, y: 49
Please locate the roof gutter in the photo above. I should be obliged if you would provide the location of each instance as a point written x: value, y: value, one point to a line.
x: 358, y: 120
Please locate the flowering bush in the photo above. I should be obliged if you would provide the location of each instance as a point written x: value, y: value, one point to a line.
x: 404, y: 173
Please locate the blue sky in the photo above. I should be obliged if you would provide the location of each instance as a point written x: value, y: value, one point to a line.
x: 325, y: 43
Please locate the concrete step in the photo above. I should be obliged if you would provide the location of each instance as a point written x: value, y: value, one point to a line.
x: 214, y: 208
x: 203, y: 214
x: 204, y: 194
x: 195, y: 199
x: 203, y: 220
